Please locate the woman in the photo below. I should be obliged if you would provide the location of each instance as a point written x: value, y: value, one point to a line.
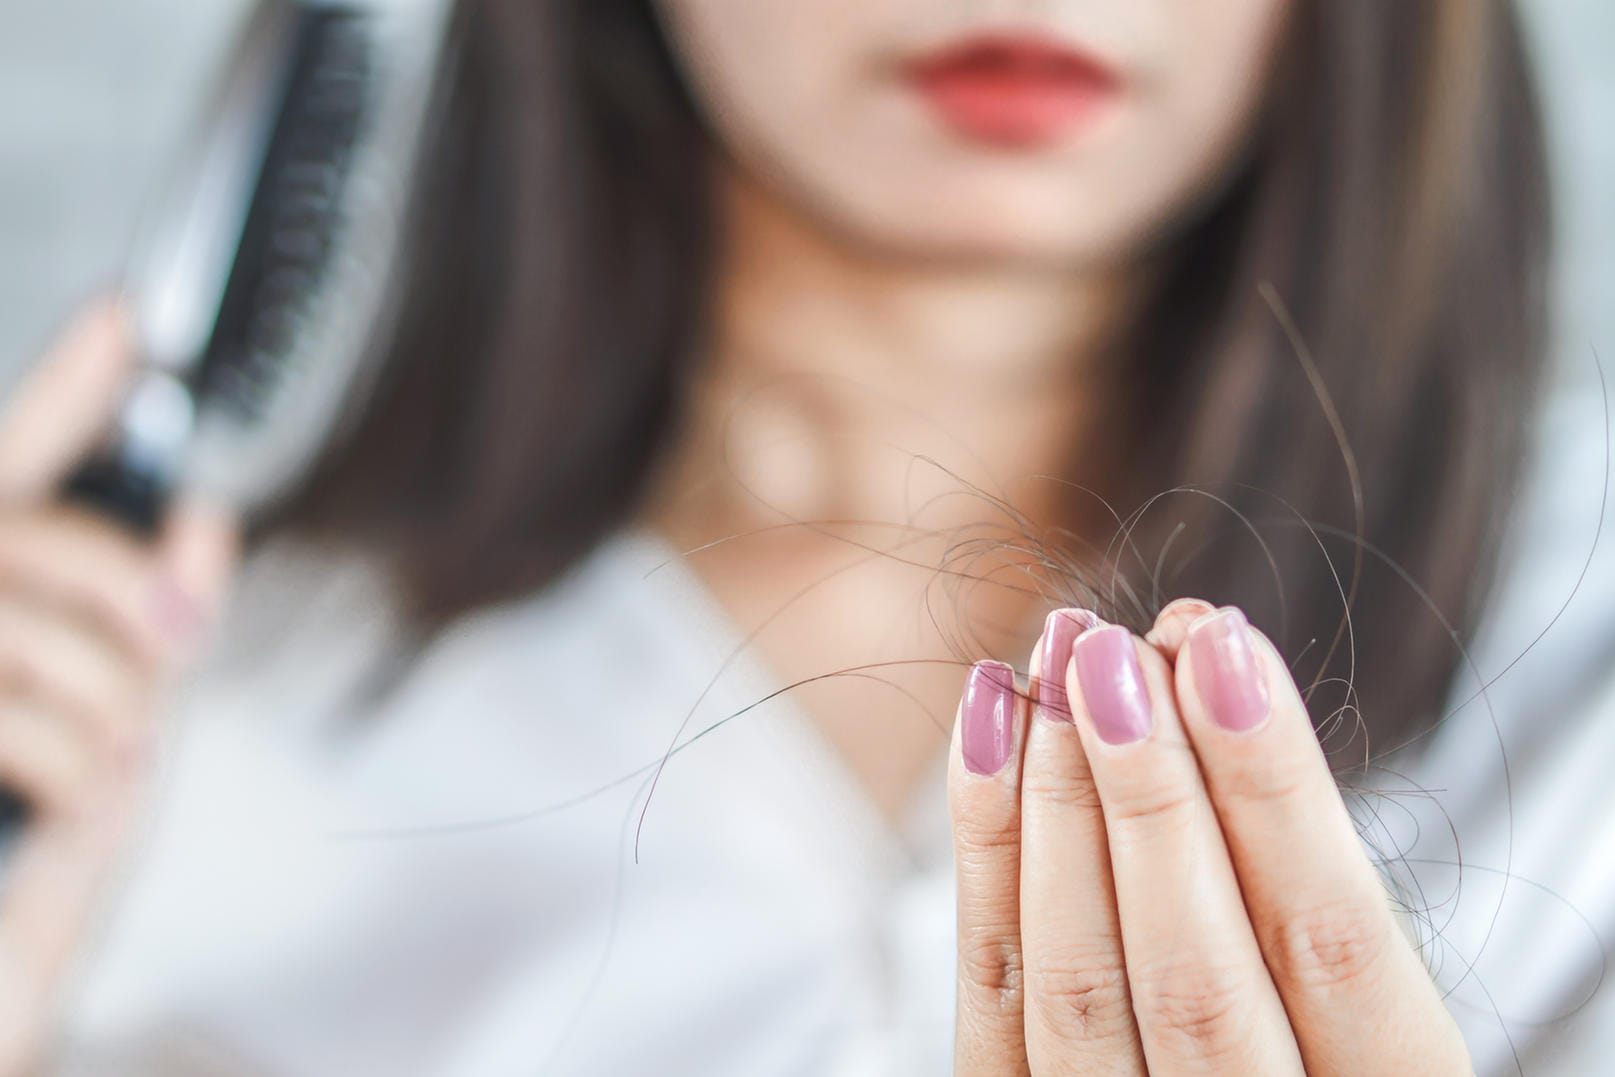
x: 899, y: 314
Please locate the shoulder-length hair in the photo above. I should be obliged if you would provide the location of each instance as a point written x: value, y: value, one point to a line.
x: 1360, y: 459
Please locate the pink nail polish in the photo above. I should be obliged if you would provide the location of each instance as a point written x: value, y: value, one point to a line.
x: 988, y: 734
x: 175, y: 613
x: 1227, y: 676
x: 1113, y: 684
x: 1060, y: 631
x: 132, y: 754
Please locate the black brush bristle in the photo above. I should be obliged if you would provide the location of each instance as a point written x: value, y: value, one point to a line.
x: 291, y: 233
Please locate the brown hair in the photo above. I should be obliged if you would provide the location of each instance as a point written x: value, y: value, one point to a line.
x: 1394, y: 202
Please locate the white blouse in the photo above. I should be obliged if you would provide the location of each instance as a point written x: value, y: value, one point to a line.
x: 370, y: 864
x: 436, y: 873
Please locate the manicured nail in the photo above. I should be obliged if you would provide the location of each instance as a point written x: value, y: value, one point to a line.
x: 177, y: 615
x: 1191, y: 608
x: 988, y: 736
x: 1060, y: 631
x: 131, y: 754
x: 1113, y: 684
x: 1227, y: 676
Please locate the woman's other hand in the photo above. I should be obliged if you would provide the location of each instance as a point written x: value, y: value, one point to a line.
x: 94, y: 622
x: 1157, y: 874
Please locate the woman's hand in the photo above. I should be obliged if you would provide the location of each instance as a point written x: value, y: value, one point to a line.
x: 1157, y: 875
x: 93, y: 623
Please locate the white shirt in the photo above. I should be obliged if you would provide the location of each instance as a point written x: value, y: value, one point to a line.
x: 290, y: 917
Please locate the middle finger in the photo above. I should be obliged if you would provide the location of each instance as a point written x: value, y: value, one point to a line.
x: 1201, y: 993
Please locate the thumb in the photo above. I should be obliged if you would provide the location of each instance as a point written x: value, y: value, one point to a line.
x: 61, y: 409
x: 197, y: 551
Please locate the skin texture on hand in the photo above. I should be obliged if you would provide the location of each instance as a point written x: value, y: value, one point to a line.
x: 95, y: 623
x: 1161, y: 878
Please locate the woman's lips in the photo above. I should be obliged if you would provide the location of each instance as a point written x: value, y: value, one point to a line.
x: 1013, y: 91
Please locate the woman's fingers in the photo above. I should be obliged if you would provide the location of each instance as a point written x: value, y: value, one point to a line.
x: 48, y: 762
x: 99, y: 578
x: 1357, y: 995
x: 1079, y: 1015
x: 1200, y: 993
x: 984, y: 792
x: 198, y: 552
x: 1157, y: 874
x: 93, y: 621
x: 1172, y: 624
x: 45, y: 660
x: 50, y: 421
x: 49, y: 890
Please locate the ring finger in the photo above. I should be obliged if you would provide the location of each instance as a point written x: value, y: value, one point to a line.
x: 1079, y: 1015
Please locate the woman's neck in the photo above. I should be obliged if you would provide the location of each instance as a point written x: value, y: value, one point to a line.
x: 842, y: 384
x: 870, y: 438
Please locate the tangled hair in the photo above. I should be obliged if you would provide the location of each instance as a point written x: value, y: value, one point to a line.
x: 1393, y: 205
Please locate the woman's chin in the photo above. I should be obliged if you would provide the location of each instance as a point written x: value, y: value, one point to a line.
x: 978, y: 236
x: 933, y: 215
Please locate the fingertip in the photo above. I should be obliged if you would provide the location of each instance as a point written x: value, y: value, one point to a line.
x: 1051, y: 659
x: 114, y: 318
x: 61, y: 406
x: 1227, y: 677
x: 201, y: 544
x: 1106, y: 674
x: 1172, y: 625
x: 100, y: 337
x: 198, y: 554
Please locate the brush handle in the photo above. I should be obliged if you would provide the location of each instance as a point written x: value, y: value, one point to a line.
x: 13, y: 816
x: 112, y: 486
x: 121, y: 491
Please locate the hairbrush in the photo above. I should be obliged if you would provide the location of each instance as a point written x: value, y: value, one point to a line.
x: 264, y: 285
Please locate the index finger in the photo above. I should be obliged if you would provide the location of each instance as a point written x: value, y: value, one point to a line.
x: 59, y: 409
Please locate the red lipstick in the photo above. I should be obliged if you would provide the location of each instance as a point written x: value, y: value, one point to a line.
x: 1013, y: 91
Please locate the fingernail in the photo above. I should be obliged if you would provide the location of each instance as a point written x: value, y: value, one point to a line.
x: 1193, y: 608
x: 132, y: 753
x: 1113, y: 684
x: 988, y: 736
x: 177, y: 615
x: 1060, y: 631
x: 1227, y: 676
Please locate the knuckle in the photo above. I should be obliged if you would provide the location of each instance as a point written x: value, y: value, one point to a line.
x: 1083, y: 1002
x: 50, y: 785
x: 114, y: 622
x: 21, y: 670
x: 102, y: 727
x: 83, y: 683
x: 1335, y: 945
x: 1155, y: 804
x: 991, y: 971
x: 1265, y: 782
x: 986, y: 842
x: 1062, y: 788
x: 1195, y: 1010
x: 107, y: 606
